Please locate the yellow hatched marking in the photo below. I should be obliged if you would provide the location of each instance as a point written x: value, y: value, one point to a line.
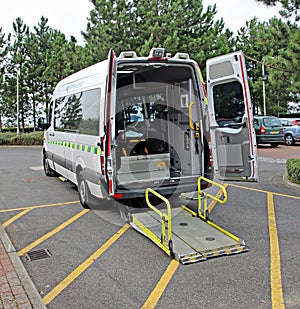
x: 51, y: 233
x: 39, y: 206
x: 275, y: 272
x: 156, y: 294
x: 81, y: 268
x: 16, y: 217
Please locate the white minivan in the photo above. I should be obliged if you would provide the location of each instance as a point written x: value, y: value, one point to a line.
x: 130, y: 123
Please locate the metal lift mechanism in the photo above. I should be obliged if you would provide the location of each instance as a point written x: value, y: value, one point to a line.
x: 184, y: 234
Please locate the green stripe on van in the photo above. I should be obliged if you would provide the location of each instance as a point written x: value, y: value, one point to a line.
x: 81, y: 147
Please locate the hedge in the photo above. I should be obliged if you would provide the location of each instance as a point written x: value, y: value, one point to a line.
x: 33, y: 138
x: 293, y: 170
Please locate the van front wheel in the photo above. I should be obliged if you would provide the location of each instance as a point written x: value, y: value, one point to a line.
x: 47, y: 169
x: 83, y: 191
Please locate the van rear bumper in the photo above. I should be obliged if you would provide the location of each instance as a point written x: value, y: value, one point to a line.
x: 166, y: 188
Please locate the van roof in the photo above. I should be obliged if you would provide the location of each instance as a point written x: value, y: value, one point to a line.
x: 88, y: 78
x: 95, y: 75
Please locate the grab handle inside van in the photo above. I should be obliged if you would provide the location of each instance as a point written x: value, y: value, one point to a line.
x: 191, y: 105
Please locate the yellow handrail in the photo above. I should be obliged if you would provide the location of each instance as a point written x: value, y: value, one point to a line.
x: 191, y: 105
x: 204, y: 196
x: 165, y: 217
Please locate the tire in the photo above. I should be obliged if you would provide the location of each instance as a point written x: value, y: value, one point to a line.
x: 289, y: 140
x: 47, y: 169
x: 274, y: 145
x: 83, y: 191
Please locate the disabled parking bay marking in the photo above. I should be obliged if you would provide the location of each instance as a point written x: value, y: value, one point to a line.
x: 51, y: 233
x: 81, y: 268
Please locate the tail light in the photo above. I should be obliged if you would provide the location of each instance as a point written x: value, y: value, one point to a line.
x: 262, y: 130
x: 282, y: 129
x: 210, y: 158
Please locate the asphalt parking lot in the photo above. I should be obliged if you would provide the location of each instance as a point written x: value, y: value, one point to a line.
x: 98, y: 261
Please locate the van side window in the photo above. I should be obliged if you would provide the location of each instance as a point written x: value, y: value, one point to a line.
x: 78, y: 112
x: 58, y: 114
x: 72, y: 112
x: 49, y: 114
x: 229, y: 103
x: 90, y: 104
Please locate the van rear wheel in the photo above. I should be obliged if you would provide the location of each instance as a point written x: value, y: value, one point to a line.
x: 83, y: 191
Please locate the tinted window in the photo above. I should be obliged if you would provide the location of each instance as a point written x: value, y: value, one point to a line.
x: 78, y: 112
x: 229, y: 103
x: 49, y: 115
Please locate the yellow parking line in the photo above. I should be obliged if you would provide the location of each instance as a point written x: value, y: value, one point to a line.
x: 51, y: 233
x: 39, y: 206
x: 13, y: 219
x: 161, y: 286
x: 265, y: 191
x: 275, y: 272
x: 81, y: 268
x: 214, y: 202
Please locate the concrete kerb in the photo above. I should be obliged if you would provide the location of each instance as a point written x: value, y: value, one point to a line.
x: 290, y: 183
x: 285, y: 176
x: 26, y: 281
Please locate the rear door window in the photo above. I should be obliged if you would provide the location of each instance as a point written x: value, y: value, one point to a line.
x: 229, y: 103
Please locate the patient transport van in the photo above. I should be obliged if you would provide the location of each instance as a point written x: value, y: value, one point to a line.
x: 130, y: 123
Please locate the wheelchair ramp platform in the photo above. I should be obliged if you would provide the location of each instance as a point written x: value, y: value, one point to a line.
x: 193, y: 240
x: 184, y: 234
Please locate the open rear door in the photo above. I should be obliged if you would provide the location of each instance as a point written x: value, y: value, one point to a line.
x: 231, y: 118
x: 110, y: 98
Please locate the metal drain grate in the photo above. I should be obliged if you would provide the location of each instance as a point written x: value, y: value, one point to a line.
x: 38, y: 254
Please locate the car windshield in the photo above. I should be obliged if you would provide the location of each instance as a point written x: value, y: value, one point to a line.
x: 271, y: 122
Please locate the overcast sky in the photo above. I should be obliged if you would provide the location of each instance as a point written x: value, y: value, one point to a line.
x: 70, y: 17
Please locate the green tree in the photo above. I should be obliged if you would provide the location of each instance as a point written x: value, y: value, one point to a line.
x: 4, y: 43
x: 290, y: 7
x: 273, y: 45
x: 37, y: 47
x: 15, y: 69
x: 110, y: 25
x: 180, y: 25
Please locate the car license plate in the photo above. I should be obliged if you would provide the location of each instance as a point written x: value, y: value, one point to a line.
x: 274, y: 132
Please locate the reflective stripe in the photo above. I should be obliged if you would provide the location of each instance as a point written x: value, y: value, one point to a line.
x: 85, y: 148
